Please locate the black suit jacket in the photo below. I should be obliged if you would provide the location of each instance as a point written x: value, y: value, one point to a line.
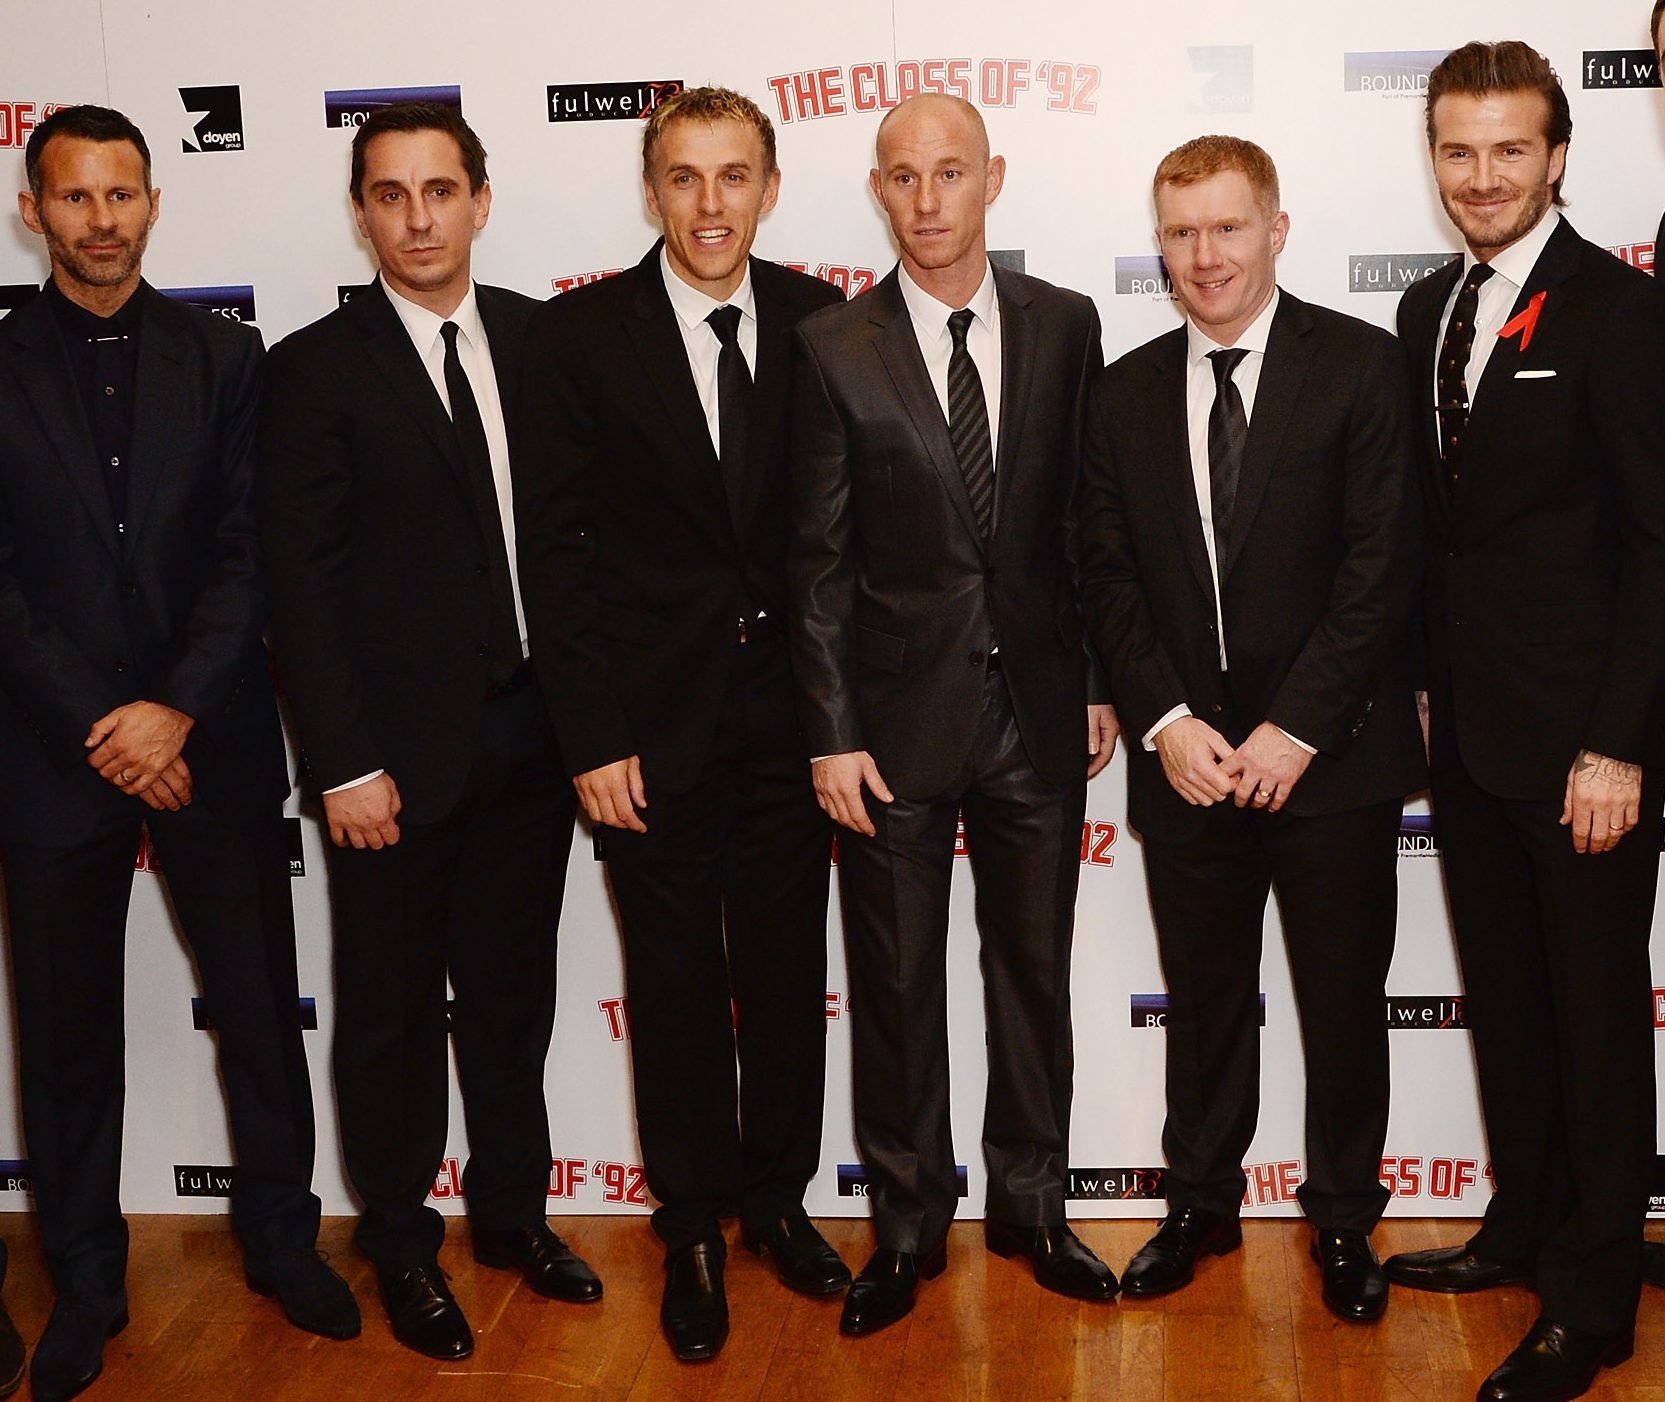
x: 170, y: 610
x: 633, y: 568
x: 1318, y: 582
x: 379, y: 568
x: 1546, y: 598
x: 895, y: 595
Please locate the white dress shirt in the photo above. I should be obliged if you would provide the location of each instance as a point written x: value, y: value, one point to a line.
x: 474, y: 351
x: 982, y: 341
x: 692, y: 307
x: 1510, y: 270
x: 1199, y: 403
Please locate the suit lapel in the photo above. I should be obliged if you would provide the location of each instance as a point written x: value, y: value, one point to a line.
x: 1170, y: 439
x: 898, y: 348
x: 1423, y: 332
x: 163, y: 348
x: 1282, y: 373
x: 774, y: 357
x: 1018, y: 330
x: 41, y: 365
x: 506, y: 337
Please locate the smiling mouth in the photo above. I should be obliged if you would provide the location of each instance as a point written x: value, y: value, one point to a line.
x: 709, y: 238
x: 1210, y: 285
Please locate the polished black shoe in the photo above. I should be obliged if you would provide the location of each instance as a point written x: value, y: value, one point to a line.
x: 1354, y: 1287
x: 424, y: 1314
x: 1554, y: 1364
x: 70, y: 1354
x: 884, y: 1291
x: 1653, y: 1262
x: 313, y: 1296
x: 13, y: 1355
x: 1063, y: 1263
x: 550, y: 1266
x: 694, y: 1310
x: 1452, y: 1270
x: 803, y: 1259
x: 1169, y: 1259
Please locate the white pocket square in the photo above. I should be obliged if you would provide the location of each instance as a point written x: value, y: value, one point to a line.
x: 1534, y: 374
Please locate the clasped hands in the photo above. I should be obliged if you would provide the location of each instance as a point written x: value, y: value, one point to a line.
x: 137, y: 748
x: 1204, y: 769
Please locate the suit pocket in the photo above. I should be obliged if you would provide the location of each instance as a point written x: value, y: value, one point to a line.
x: 882, y: 652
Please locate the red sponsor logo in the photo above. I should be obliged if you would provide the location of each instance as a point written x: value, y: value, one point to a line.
x: 1271, y: 1182
x: 618, y: 1182
x: 572, y: 280
x: 1096, y: 841
x: 18, y: 119
x: 1447, y: 1180
x: 811, y: 93
x: 146, y: 859
x: 1638, y: 255
x: 838, y: 1005
x: 617, y: 1013
x: 852, y: 282
x: 1659, y: 1008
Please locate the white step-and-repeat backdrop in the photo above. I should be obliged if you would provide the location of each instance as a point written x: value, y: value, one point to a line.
x: 249, y: 111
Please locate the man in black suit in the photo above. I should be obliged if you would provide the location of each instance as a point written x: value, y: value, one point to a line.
x: 385, y: 442
x: 134, y: 689
x: 1249, y: 558
x: 1538, y: 365
x: 937, y: 646
x: 651, y: 506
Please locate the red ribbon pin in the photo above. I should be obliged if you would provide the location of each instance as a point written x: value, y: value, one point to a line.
x: 1526, y: 322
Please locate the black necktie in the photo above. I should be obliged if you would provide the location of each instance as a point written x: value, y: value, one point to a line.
x: 968, y: 423
x: 1228, y: 431
x: 504, y: 637
x: 1452, y: 376
x: 734, y: 402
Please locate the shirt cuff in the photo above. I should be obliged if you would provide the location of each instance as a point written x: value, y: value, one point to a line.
x: 1179, y: 711
x: 376, y: 774
x: 1297, y: 740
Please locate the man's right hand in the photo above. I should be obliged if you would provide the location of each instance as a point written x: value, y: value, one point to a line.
x: 1191, y: 751
x: 838, y: 780
x: 171, y: 789
x: 612, y: 794
x: 363, y: 816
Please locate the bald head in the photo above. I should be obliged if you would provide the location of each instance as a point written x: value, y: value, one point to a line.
x: 936, y: 116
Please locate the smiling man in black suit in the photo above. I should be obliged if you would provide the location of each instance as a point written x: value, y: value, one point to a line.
x: 135, y: 689
x: 1538, y: 368
x: 651, y: 498
x: 385, y: 442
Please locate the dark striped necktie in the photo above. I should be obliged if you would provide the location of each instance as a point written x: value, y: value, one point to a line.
x: 968, y: 423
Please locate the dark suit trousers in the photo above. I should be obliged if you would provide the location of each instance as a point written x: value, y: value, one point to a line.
x: 68, y: 920
x: 1337, y: 884
x: 477, y: 896
x: 1557, y: 995
x: 723, y: 907
x: 1023, y: 837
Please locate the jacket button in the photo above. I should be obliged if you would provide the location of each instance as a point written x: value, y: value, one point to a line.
x: 977, y: 658
x: 130, y: 589
x: 1216, y: 707
x: 121, y: 666
x: 484, y: 650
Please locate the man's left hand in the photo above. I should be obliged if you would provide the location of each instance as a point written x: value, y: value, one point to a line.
x: 1265, y: 767
x: 135, y: 743
x: 1102, y: 730
x: 1603, y: 801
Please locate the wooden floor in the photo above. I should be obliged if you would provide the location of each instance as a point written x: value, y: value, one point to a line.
x: 1251, y: 1326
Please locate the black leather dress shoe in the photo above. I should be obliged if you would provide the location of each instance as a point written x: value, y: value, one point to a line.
x: 12, y: 1354
x: 70, y: 1354
x: 313, y: 1296
x: 424, y: 1314
x: 884, y: 1291
x: 1653, y: 1262
x: 1169, y: 1259
x: 1063, y: 1263
x: 803, y: 1259
x: 1452, y: 1270
x: 1554, y: 1364
x: 1354, y: 1287
x: 550, y: 1266
x: 694, y: 1311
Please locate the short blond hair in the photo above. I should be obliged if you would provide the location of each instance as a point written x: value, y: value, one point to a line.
x: 1206, y: 156
x: 707, y: 105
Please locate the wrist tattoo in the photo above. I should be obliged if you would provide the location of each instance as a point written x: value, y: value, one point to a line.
x: 1590, y: 765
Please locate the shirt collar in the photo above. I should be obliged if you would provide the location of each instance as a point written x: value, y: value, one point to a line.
x: 423, y: 326
x: 931, y: 315
x: 1198, y: 343
x: 1516, y: 262
x: 693, y: 306
x: 74, y: 320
